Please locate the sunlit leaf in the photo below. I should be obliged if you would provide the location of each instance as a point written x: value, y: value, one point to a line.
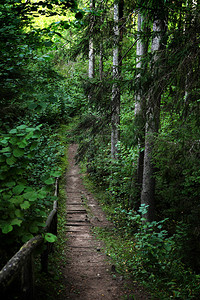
x: 49, y: 237
x: 7, y: 228
x: 49, y: 181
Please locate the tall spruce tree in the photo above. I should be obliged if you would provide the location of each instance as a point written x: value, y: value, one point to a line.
x: 117, y: 62
x: 91, y: 42
x: 152, y: 123
x: 140, y: 99
x: 115, y: 103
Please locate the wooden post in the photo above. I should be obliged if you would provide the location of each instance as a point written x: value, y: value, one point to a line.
x: 27, y: 279
x: 20, y: 266
x: 44, y: 259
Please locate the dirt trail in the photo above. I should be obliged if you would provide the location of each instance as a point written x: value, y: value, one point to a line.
x: 87, y: 272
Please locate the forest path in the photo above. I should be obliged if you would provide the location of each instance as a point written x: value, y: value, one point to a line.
x: 87, y: 272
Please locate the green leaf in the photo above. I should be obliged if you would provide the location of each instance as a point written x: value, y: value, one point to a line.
x: 18, y: 189
x: 10, y: 183
x: 29, y: 135
x: 22, y: 144
x: 21, y: 127
x: 30, y: 129
x: 41, y: 224
x: 36, y: 135
x: 28, y: 189
x: 25, y: 205
x: 56, y: 174
x: 18, y: 152
x: 13, y: 141
x: 4, y: 142
x: 7, y: 196
x: 49, y: 237
x: 16, y: 222
x: 11, y: 160
x: 42, y: 194
x: 6, y: 149
x: 49, y: 181
x: 13, y: 131
x: 27, y: 237
x: 31, y: 196
x: 32, y: 105
x: 16, y: 200
x: 7, y: 228
x: 18, y: 213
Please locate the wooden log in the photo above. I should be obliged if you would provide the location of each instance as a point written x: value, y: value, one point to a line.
x: 22, y: 261
x: 51, y: 226
x: 13, y: 267
x: 56, y: 188
x: 50, y: 220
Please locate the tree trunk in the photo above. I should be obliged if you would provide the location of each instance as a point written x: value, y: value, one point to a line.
x: 101, y: 45
x: 140, y: 103
x: 152, y: 125
x: 91, y: 44
x: 115, y: 103
x: 101, y: 62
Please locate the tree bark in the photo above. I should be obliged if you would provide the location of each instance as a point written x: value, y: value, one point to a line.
x: 101, y: 62
x: 152, y: 125
x: 115, y: 103
x: 140, y: 103
x: 101, y: 45
x: 91, y: 44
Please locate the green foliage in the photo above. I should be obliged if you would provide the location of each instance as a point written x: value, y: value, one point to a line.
x: 50, y: 238
x: 23, y: 203
x: 177, y: 175
x: 116, y: 176
x: 156, y: 258
x: 34, y: 102
x: 40, y: 85
x: 52, y: 285
x: 147, y: 254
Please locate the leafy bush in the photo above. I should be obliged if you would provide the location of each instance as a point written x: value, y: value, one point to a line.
x: 157, y: 259
x: 148, y: 254
x: 176, y: 157
x: 116, y: 176
x: 24, y: 198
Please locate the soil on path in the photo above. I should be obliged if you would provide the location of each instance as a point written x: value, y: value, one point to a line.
x: 87, y: 272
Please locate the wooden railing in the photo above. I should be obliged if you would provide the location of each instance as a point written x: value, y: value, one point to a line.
x: 20, y: 266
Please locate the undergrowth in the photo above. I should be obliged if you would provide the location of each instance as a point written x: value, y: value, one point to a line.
x: 145, y: 252
x: 52, y: 285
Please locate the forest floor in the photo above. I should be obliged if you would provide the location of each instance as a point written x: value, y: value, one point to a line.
x: 88, y: 273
